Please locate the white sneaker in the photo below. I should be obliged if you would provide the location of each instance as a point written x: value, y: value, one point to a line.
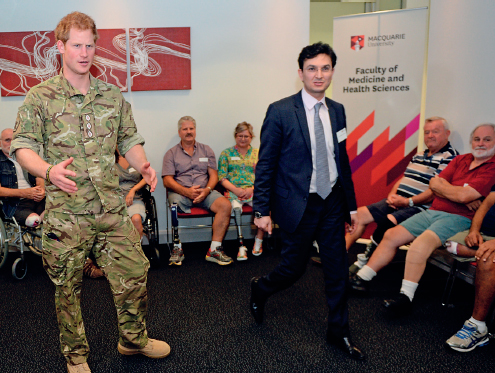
x: 242, y: 254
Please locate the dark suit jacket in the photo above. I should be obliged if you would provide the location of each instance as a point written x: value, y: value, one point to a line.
x: 283, y: 171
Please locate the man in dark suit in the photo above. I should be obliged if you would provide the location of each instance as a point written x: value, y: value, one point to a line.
x: 303, y: 179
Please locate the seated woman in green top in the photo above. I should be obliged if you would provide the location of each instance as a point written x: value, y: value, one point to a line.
x: 236, y: 167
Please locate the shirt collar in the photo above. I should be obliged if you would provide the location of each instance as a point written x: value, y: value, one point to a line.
x: 310, y: 102
x: 445, y: 148
x: 195, y: 144
x: 71, y: 91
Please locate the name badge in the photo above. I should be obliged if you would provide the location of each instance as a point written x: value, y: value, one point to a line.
x: 132, y: 169
x: 203, y: 159
x: 342, y: 135
x: 235, y: 158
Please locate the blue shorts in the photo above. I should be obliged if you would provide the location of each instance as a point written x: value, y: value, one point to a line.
x: 381, y: 209
x: 185, y: 203
x: 443, y: 224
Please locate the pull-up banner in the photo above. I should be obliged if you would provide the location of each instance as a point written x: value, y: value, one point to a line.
x: 378, y: 78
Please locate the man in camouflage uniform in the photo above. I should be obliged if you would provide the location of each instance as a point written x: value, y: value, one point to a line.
x: 80, y: 120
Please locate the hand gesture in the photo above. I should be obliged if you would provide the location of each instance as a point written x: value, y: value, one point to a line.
x: 59, y: 176
x: 149, y: 175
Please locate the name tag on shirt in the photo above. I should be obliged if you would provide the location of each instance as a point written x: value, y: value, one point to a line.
x: 132, y: 169
x: 342, y: 135
x: 203, y: 159
x: 235, y: 158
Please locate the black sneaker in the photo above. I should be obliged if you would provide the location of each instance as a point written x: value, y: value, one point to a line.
x: 400, y: 305
x: 358, y: 284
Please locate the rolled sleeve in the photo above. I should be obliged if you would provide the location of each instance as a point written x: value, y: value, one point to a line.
x: 128, y: 136
x: 28, y: 130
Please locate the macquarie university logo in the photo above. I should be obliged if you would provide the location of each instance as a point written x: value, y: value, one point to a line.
x: 357, y: 42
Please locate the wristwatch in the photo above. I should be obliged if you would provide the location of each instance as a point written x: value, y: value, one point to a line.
x: 411, y: 203
x: 258, y: 215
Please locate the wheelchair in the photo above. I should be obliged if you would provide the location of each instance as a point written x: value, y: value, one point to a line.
x: 150, y: 229
x: 14, y: 237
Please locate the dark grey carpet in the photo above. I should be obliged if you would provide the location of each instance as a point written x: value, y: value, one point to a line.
x: 201, y: 310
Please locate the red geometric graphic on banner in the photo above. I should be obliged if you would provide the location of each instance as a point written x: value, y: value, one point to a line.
x: 110, y: 63
x: 380, y: 165
x: 160, y: 58
x: 26, y: 59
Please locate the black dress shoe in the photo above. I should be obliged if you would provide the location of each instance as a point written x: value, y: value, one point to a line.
x: 346, y: 345
x: 257, y: 302
x: 400, y: 305
x: 358, y: 284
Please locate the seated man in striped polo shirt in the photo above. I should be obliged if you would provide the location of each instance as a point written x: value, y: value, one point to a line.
x: 411, y: 194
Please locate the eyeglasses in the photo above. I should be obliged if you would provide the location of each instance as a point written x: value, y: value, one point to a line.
x: 244, y: 136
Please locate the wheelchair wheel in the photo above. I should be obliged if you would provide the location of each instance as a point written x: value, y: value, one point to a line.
x: 153, y: 234
x: 151, y: 229
x: 19, y: 269
x: 4, y: 247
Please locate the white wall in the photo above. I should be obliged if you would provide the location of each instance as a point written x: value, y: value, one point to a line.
x: 461, y: 55
x: 244, y: 56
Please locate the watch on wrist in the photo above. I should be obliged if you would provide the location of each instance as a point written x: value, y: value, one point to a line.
x: 258, y: 215
x: 411, y: 202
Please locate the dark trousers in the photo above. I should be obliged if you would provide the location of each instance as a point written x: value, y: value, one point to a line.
x: 323, y: 220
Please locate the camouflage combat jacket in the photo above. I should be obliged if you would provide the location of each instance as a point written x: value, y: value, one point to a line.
x: 85, y: 127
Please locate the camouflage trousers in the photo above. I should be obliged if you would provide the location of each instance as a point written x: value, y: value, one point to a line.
x: 67, y: 241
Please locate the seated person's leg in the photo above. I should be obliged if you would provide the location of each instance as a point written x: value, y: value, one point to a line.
x: 364, y: 218
x: 237, y: 211
x: 442, y: 225
x: 383, y: 255
x: 457, y: 244
x: 182, y: 202
x: 25, y: 213
x: 137, y: 212
x: 474, y: 333
x: 222, y: 208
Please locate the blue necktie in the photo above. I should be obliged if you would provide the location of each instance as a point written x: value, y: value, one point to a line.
x: 323, y: 187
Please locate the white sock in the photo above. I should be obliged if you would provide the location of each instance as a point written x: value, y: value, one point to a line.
x: 451, y: 247
x: 366, y: 273
x: 408, y: 288
x: 32, y: 221
x: 480, y: 324
x: 214, y: 245
x: 315, y: 244
x: 257, y: 243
